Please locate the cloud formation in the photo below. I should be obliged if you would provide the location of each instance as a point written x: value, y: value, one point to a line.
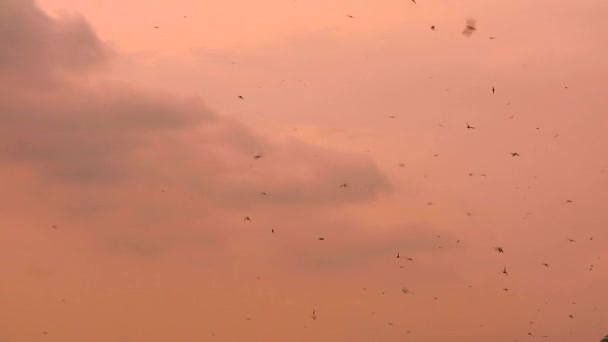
x: 96, y: 142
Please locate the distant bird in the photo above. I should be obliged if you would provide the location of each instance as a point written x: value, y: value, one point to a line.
x: 492, y: 37
x: 344, y: 185
x: 410, y: 259
x: 392, y: 116
x: 414, y: 1
x: 314, y: 314
x: 571, y: 316
x: 469, y: 28
x: 433, y: 27
x: 568, y: 201
x: 263, y: 193
x: 493, y: 90
x: 469, y: 126
x: 571, y: 240
x: 54, y: 227
x: 350, y: 16
x: 272, y: 230
x: 514, y: 154
x: 504, y: 270
x: 241, y: 97
x: 398, y: 256
x: 499, y: 249
x: 156, y: 27
x: 505, y: 289
x: 545, y: 264
x: 321, y: 239
x: 257, y: 156
x: 405, y: 290
x: 246, y: 218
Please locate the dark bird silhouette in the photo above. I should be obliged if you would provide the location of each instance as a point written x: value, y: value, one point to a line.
x: 321, y: 239
x: 54, y: 227
x: 469, y: 28
x: 398, y: 256
x: 414, y: 1
x: 499, y: 249
x: 246, y: 218
x: 545, y: 264
x: 505, y: 289
x: 405, y: 290
x: 571, y: 240
x: 314, y: 314
x: 241, y: 97
x: 568, y: 201
x: 350, y: 16
x: 156, y: 27
x: 392, y: 116
x: 433, y: 27
x: 257, y: 156
x: 514, y: 154
x: 272, y: 230
x: 492, y: 37
x: 469, y: 126
x: 504, y: 270
x: 493, y: 90
x: 263, y: 193
x: 344, y: 185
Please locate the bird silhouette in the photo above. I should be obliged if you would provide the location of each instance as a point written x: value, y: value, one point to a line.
x: 241, y: 97
x: 433, y: 27
x: 257, y: 156
x: 469, y: 126
x: 514, y: 154
x: 493, y: 90
x: 350, y: 16
x: 504, y: 270
x: 499, y: 249
x: 344, y: 185
x: 246, y: 218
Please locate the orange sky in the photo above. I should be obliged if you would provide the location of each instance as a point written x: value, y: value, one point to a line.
x: 133, y: 143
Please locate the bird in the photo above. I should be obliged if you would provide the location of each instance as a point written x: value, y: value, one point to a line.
x: 314, y: 314
x: 344, y: 185
x: 54, y: 227
x: 405, y: 290
x: 514, y: 154
x: 493, y: 90
x: 504, y: 270
x: 272, y: 230
x: 469, y: 28
x: 156, y: 27
x: 414, y: 1
x: 398, y: 256
x: 392, y: 116
x: 246, y: 218
x: 350, y: 16
x: 263, y: 193
x: 492, y: 37
x: 545, y: 264
x: 571, y: 240
x: 257, y: 156
x: 499, y: 249
x: 568, y: 201
x: 321, y: 239
x: 469, y: 126
x: 433, y: 27
x: 241, y: 97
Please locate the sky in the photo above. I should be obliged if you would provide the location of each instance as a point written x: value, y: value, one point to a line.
x: 128, y: 169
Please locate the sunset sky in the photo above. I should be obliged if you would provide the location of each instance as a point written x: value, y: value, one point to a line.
x: 127, y: 168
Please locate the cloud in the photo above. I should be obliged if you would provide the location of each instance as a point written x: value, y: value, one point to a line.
x: 103, y: 145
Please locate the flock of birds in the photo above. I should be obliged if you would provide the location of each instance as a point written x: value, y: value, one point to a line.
x: 470, y: 28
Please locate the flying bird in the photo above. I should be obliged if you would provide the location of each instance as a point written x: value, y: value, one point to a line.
x: 246, y: 218
x: 469, y: 126
x: 398, y: 256
x: 321, y: 239
x: 314, y: 314
x: 545, y: 264
x: 514, y: 154
x: 493, y: 90
x: 350, y: 16
x: 568, y: 201
x: 241, y: 97
x: 263, y: 193
x: 257, y: 156
x: 499, y: 249
x: 504, y: 270
x: 433, y: 27
x: 469, y: 28
x: 344, y: 185
x: 414, y: 1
